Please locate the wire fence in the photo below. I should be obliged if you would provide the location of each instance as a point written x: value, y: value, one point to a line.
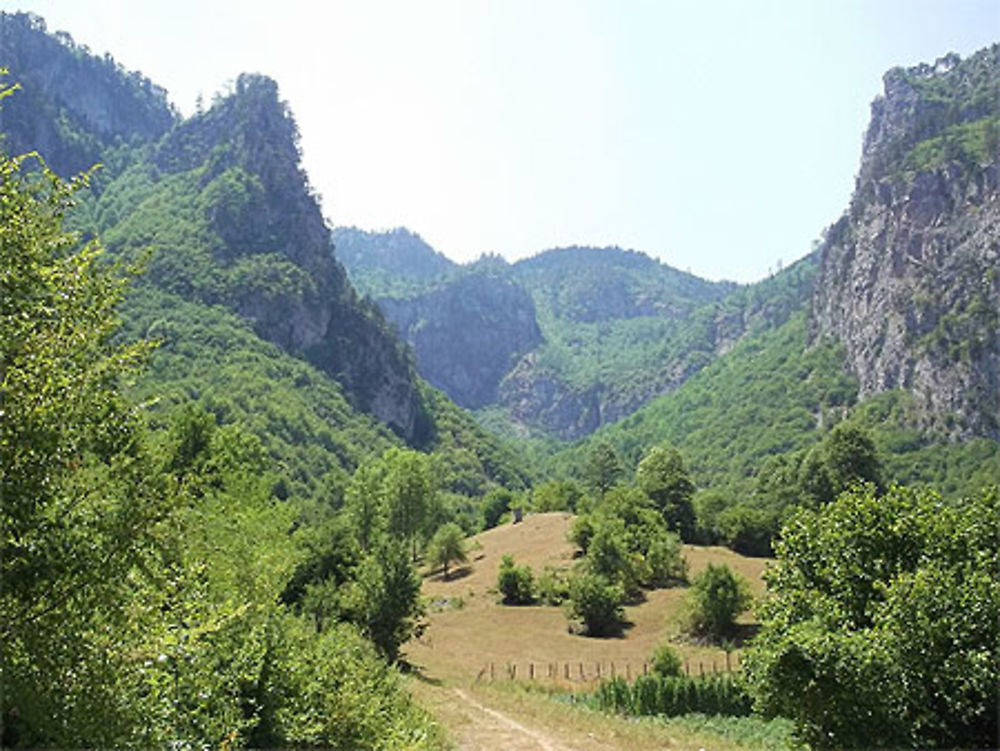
x: 591, y: 671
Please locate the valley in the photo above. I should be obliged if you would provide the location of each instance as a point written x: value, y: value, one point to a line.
x: 241, y: 446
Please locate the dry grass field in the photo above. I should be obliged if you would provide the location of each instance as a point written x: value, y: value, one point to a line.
x: 468, y: 630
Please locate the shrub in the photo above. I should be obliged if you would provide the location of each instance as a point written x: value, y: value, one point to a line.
x: 596, y: 604
x: 516, y: 583
x: 666, y: 661
x: 553, y: 586
x: 672, y: 695
x: 716, y: 598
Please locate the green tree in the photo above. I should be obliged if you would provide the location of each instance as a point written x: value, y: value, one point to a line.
x: 386, y: 598
x: 881, y: 630
x: 717, y: 597
x: 661, y: 476
x: 667, y: 662
x: 603, y: 468
x: 447, y: 547
x: 409, y: 490
x: 596, y: 604
x: 82, y: 500
x: 365, y: 503
x: 515, y: 583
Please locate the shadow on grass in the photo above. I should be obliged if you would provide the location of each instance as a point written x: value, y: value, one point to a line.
x: 453, y: 574
x: 418, y: 672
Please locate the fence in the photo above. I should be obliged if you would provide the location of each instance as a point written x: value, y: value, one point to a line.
x: 583, y: 671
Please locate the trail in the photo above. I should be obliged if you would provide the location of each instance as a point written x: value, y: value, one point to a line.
x: 500, y: 731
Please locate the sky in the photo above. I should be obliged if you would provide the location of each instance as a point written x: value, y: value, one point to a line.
x: 721, y: 137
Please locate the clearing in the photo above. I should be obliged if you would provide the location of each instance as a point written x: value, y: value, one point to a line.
x: 470, y: 636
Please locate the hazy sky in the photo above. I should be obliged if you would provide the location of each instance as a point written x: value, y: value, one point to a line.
x: 717, y: 136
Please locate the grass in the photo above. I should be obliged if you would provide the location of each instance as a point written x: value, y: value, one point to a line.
x: 460, y: 643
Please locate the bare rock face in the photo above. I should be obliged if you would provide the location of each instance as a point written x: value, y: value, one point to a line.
x: 909, y: 279
x: 467, y: 333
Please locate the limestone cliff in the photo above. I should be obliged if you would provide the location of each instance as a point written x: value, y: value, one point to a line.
x: 909, y: 278
x: 467, y: 333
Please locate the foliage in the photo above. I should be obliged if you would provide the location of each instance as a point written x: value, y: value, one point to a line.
x: 666, y: 661
x: 409, y: 491
x: 553, y: 586
x: 882, y: 628
x: 515, y: 583
x: 716, y: 598
x: 596, y: 604
x: 662, y: 477
x: 603, y: 468
x: 331, y: 690
x: 626, y: 540
x: 385, y: 601
x: 671, y: 695
x: 447, y: 547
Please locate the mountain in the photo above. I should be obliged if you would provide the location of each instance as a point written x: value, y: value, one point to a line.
x: 615, y: 328
x: 909, y: 278
x: 256, y: 319
x: 74, y: 107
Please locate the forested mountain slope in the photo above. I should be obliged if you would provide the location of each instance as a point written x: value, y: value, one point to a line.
x: 256, y: 319
x: 616, y: 328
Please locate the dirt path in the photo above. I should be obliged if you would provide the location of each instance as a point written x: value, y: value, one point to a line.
x: 495, y: 730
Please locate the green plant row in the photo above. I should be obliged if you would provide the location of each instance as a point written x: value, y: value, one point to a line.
x: 675, y: 695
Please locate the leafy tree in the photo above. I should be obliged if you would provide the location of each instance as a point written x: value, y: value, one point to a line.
x: 386, y: 598
x: 365, y: 503
x: 717, y: 597
x: 74, y: 561
x: 516, y: 583
x: 596, y: 604
x: 496, y: 503
x: 603, y: 468
x: 409, y: 490
x: 882, y: 628
x: 661, y: 475
x: 447, y: 547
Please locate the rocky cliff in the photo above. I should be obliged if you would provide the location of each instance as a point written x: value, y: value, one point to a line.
x: 909, y: 278
x: 216, y: 206
x: 72, y: 105
x: 468, y: 333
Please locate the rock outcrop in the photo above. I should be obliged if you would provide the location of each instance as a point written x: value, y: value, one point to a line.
x: 909, y: 278
x: 467, y: 333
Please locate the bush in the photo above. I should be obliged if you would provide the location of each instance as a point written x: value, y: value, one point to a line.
x: 553, y: 586
x: 716, y: 598
x: 516, y: 583
x: 666, y: 661
x: 596, y: 604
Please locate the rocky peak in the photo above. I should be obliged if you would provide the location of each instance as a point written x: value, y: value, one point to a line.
x: 909, y: 279
x: 74, y: 104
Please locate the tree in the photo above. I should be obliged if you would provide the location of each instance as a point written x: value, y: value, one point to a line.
x: 386, y: 598
x: 447, y: 547
x: 603, y: 468
x: 408, y: 488
x: 82, y: 500
x: 666, y: 661
x: 846, y: 457
x: 516, y: 583
x: 882, y: 627
x: 596, y: 604
x: 661, y: 476
x: 717, y: 598
x: 365, y: 503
